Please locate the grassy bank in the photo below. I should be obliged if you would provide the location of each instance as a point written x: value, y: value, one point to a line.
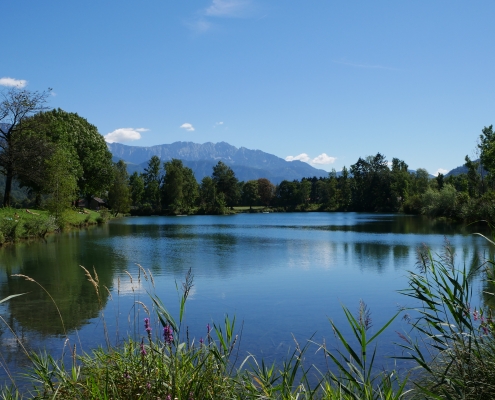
x: 23, y: 224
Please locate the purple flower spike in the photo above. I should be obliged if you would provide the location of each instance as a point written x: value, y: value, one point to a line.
x: 147, y: 326
x: 143, y: 350
x: 201, y: 341
x: 168, y: 334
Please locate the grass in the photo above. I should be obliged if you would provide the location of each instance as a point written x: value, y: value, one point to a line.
x: 17, y: 224
x: 452, y: 344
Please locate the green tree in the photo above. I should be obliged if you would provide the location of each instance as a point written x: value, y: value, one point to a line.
x: 474, y: 178
x: 304, y: 192
x: 211, y: 202
x: 179, y: 189
x: 250, y: 193
x: 266, y: 191
x: 119, y: 194
x: 93, y: 162
x: 486, y: 146
x: 16, y: 107
x: 152, y: 181
x: 226, y: 183
x: 287, y: 194
x: 400, y: 181
x: 136, y: 184
x: 371, y: 189
x: 344, y: 186
x: 60, y: 184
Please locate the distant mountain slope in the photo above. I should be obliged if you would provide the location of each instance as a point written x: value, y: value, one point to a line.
x: 462, y: 170
x: 247, y: 164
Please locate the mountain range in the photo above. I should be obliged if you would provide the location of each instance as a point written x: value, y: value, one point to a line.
x: 201, y: 158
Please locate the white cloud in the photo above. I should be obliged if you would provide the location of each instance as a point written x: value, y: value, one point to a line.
x: 124, y: 135
x: 217, y: 124
x: 301, y: 157
x: 11, y: 82
x: 323, y: 159
x: 187, y: 126
x: 441, y: 171
x: 227, y: 8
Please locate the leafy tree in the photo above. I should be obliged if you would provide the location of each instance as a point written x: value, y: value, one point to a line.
x: 152, y: 181
x: 287, y: 193
x: 179, y: 189
x: 487, y: 149
x: 304, y: 192
x: 60, y: 184
x: 16, y: 107
x: 345, y: 190
x: 226, y: 183
x: 474, y: 178
x: 250, y: 193
x: 371, y: 189
x: 266, y: 191
x: 400, y: 182
x: 93, y: 164
x: 421, y: 181
x: 211, y: 202
x: 136, y: 184
x: 119, y: 194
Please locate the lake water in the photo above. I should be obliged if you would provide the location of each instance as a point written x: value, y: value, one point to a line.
x: 280, y: 275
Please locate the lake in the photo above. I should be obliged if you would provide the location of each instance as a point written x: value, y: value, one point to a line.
x: 282, y: 275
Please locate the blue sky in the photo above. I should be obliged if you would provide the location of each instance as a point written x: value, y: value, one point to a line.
x: 322, y: 81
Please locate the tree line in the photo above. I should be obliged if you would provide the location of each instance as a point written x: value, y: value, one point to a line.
x: 60, y: 157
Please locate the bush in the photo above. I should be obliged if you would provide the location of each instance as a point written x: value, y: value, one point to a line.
x: 10, y: 228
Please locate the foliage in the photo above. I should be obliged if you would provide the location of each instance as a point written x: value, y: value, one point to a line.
x: 136, y: 184
x: 16, y: 154
x: 60, y: 184
x: 250, y: 193
x: 179, y: 189
x: 152, y: 181
x: 91, y: 161
x: 456, y: 346
x: 119, y: 195
x: 226, y: 182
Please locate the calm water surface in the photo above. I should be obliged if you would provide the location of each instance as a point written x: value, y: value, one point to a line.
x: 279, y: 274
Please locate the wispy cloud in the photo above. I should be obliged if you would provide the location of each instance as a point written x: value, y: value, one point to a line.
x: 125, y: 135
x: 322, y: 159
x: 217, y: 124
x: 187, y: 126
x: 228, y: 8
x: 441, y: 171
x: 11, y: 82
x: 361, y: 65
x: 202, y: 22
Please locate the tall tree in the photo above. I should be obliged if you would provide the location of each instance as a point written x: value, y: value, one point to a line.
x: 79, y: 137
x: 211, y: 202
x: 119, y: 194
x: 266, y: 191
x: 136, y: 184
x: 179, y: 189
x: 226, y: 183
x: 152, y: 181
x: 16, y: 107
x: 250, y: 193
